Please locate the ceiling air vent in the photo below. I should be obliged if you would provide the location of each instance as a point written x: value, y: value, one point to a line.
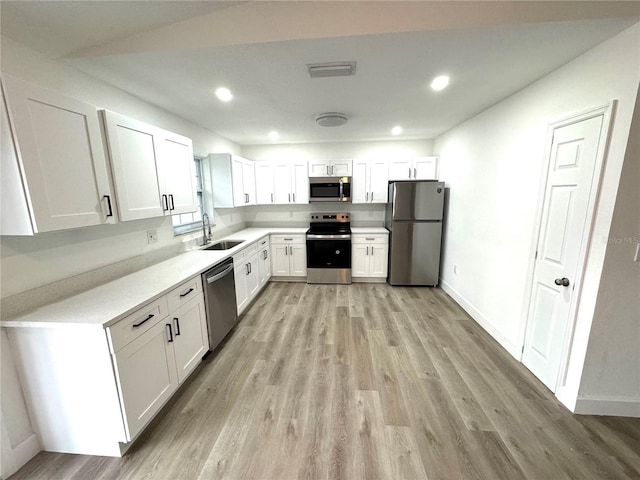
x: 332, y: 69
x: 331, y: 119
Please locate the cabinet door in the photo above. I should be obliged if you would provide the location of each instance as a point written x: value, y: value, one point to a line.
x: 146, y: 374
x: 341, y: 168
x: 360, y: 182
x: 360, y: 260
x: 282, y: 181
x: 134, y: 147
x: 378, y: 181
x: 264, y: 265
x: 240, y: 272
x: 249, y: 181
x: 265, y: 192
x: 253, y: 279
x: 280, y: 260
x: 401, y: 169
x: 177, y: 173
x: 298, y: 260
x: 190, y: 341
x: 319, y: 168
x: 300, y: 181
x: 378, y: 259
x: 65, y: 167
x: 425, y: 168
x: 239, y: 197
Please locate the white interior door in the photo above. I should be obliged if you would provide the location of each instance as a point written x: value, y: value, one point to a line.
x: 571, y: 168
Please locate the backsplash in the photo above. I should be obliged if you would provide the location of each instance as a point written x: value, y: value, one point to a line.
x: 362, y: 215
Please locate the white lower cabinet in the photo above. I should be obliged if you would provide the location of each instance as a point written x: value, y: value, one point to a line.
x: 369, y: 256
x: 264, y: 261
x: 92, y: 391
x: 246, y: 271
x: 288, y: 256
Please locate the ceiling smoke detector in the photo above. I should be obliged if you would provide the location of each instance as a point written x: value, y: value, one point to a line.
x: 332, y: 69
x: 331, y: 119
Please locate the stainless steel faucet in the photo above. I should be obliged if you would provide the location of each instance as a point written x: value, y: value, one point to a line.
x: 206, y: 229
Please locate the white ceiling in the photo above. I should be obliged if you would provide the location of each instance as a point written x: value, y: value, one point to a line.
x: 174, y: 54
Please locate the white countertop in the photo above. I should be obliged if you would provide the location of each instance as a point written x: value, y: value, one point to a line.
x: 104, y: 305
x: 370, y: 230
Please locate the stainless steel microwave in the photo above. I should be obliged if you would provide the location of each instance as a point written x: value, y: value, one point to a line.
x: 330, y: 189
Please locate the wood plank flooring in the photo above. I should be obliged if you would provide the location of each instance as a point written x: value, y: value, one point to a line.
x: 364, y: 381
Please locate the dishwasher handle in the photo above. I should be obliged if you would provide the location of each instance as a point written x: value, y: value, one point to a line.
x: 218, y: 276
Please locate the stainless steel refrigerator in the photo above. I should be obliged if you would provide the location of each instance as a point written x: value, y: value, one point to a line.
x: 414, y: 218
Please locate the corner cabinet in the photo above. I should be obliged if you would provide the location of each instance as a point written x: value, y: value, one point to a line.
x: 231, y: 178
x: 370, y: 183
x: 153, y: 170
x: 92, y: 390
x: 369, y: 257
x: 288, y: 256
x: 54, y: 170
x: 418, y: 168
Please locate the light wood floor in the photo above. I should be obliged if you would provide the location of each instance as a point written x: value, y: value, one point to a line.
x: 362, y: 382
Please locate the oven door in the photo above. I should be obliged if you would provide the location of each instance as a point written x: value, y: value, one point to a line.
x: 328, y: 251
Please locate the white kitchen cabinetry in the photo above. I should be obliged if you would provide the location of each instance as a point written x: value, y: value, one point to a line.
x: 55, y: 176
x: 246, y: 275
x: 282, y: 182
x: 153, y: 170
x: 369, y: 256
x: 330, y: 168
x: 92, y: 391
x: 418, y: 168
x: 288, y: 256
x: 231, y: 178
x: 370, y: 182
x: 264, y: 261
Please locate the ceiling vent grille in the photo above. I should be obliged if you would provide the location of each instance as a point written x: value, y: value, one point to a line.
x: 332, y: 69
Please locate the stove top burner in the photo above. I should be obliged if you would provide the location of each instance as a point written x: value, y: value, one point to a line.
x: 330, y: 223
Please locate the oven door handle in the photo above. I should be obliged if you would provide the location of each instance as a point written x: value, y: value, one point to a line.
x: 346, y: 236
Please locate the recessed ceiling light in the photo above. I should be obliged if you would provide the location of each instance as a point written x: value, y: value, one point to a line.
x: 440, y: 82
x: 274, y: 135
x: 224, y: 94
x: 397, y: 130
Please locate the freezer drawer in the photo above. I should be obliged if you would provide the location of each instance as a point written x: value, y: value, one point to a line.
x: 414, y: 253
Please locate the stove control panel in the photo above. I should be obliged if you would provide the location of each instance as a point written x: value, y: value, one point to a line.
x: 330, y: 217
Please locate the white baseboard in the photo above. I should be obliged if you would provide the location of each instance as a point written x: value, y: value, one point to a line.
x: 23, y: 452
x: 484, y: 322
x: 610, y: 406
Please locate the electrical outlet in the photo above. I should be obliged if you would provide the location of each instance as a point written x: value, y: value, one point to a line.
x: 152, y: 236
x: 455, y: 269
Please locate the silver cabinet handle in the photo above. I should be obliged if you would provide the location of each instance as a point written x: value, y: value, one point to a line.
x: 369, y: 239
x: 366, y: 197
x: 288, y: 239
x: 367, y: 251
x: 272, y: 198
x: 328, y: 170
x: 289, y: 198
x: 415, y: 172
x: 290, y: 250
x: 294, y: 198
x: 372, y: 251
x: 409, y: 172
x: 286, y: 250
x: 372, y: 196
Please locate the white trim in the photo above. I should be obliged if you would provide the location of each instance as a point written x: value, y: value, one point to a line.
x: 513, y: 349
x: 614, y: 406
x: 605, y: 133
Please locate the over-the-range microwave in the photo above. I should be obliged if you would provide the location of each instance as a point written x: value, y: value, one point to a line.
x: 330, y: 189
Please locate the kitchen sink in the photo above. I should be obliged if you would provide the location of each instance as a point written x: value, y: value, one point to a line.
x: 224, y: 245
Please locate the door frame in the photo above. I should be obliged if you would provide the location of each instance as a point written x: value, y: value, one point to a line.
x: 607, y: 111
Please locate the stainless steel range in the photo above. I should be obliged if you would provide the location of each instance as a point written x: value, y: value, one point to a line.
x: 329, y: 248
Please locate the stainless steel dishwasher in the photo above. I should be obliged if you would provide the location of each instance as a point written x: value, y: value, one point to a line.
x: 220, y: 299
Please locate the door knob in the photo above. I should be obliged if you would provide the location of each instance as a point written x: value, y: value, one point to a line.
x: 562, y: 281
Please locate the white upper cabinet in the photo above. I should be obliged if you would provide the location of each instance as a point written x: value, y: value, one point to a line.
x: 153, y: 169
x: 265, y: 193
x: 370, y: 181
x: 330, y: 168
x: 418, y: 168
x: 230, y: 179
x: 63, y: 176
x: 178, y: 173
x: 282, y: 182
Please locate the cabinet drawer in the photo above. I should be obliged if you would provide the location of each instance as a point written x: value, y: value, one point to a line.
x: 134, y: 325
x: 185, y: 292
x: 364, y: 238
x: 263, y: 243
x: 288, y: 239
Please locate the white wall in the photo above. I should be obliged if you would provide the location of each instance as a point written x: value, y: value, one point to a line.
x: 611, y: 377
x: 493, y: 164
